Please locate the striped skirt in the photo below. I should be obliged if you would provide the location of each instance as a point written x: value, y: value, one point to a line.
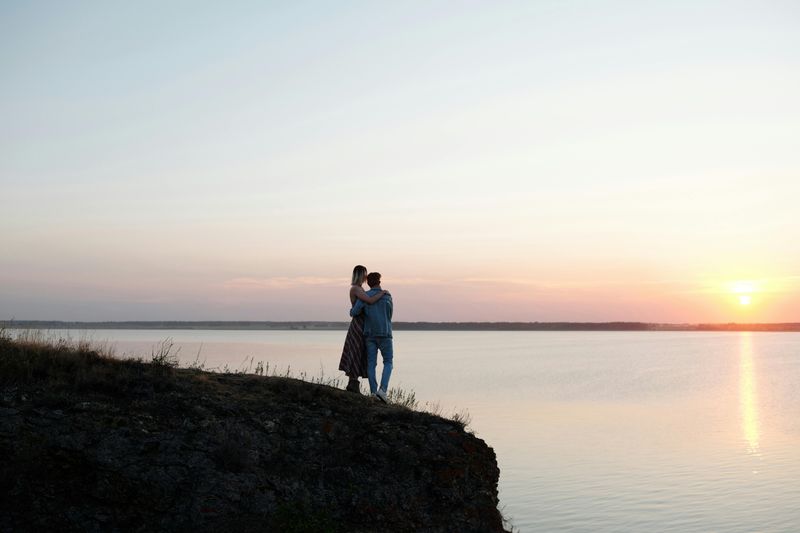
x: 354, y: 353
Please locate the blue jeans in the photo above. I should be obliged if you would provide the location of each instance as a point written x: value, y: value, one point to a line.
x: 384, y: 344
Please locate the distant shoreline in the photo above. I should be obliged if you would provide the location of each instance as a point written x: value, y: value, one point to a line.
x: 400, y: 326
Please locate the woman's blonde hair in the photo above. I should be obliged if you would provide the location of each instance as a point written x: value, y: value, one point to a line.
x: 359, y: 273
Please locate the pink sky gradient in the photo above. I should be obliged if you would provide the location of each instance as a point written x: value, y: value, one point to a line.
x: 509, y: 161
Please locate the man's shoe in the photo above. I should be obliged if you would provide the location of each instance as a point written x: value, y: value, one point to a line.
x: 381, y: 394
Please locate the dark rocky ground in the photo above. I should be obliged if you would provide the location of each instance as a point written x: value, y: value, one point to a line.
x: 92, y: 443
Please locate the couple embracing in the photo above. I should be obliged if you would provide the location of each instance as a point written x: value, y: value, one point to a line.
x: 370, y: 330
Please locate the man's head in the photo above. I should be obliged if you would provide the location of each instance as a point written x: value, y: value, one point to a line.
x: 374, y: 279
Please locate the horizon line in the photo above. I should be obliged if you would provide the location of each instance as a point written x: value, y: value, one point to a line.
x: 617, y: 325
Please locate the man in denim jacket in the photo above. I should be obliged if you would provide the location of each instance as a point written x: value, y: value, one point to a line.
x: 378, y: 334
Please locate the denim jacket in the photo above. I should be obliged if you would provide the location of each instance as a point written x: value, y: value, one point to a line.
x: 377, y: 316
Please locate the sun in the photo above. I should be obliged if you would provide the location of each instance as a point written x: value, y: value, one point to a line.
x: 743, y: 291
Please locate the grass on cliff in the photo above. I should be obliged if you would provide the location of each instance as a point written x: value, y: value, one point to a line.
x: 32, y: 359
x: 33, y: 356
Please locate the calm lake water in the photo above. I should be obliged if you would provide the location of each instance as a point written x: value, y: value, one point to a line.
x: 594, y: 431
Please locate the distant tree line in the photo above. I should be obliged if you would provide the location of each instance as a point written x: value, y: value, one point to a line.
x: 408, y: 326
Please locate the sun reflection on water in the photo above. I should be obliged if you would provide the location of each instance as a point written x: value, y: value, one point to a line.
x: 747, y: 393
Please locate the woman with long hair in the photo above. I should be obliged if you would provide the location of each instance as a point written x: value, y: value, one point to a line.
x: 354, y: 352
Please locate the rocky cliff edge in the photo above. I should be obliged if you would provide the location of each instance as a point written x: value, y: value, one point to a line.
x: 93, y: 443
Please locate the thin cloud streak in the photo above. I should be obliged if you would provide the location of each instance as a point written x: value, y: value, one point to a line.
x: 280, y: 283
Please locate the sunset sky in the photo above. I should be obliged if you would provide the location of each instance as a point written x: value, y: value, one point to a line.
x: 495, y: 161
